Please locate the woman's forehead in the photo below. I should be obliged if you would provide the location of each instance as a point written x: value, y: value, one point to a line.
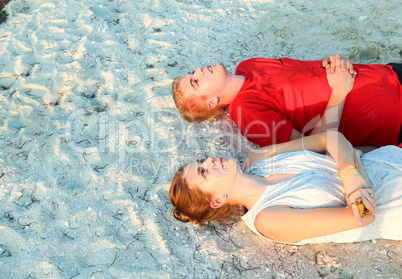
x: 190, y: 173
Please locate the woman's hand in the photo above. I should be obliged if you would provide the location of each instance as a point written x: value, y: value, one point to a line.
x: 357, y: 187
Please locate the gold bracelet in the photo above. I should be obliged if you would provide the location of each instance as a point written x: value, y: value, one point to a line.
x: 346, y: 173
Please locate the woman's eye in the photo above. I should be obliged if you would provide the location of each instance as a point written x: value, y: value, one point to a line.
x: 196, y: 82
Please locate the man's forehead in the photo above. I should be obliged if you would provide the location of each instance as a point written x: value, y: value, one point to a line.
x: 185, y: 85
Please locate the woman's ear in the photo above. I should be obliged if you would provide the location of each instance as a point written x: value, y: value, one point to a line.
x: 218, y: 201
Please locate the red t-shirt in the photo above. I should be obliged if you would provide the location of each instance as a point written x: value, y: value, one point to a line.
x: 281, y: 94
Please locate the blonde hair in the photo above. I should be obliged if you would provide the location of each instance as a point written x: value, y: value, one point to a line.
x: 193, y: 205
x: 192, y: 109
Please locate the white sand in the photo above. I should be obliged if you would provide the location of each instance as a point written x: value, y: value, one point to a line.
x: 90, y: 137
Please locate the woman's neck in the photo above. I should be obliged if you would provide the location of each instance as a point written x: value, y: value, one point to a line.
x: 249, y: 190
x: 251, y: 187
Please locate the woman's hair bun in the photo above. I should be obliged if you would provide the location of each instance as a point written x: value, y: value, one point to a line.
x: 181, y: 216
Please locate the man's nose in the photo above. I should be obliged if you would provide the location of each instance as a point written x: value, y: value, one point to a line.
x: 197, y: 72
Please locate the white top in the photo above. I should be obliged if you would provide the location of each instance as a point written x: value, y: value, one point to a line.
x: 319, y: 185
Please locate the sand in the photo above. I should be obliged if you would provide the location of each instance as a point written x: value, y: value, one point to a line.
x: 90, y: 137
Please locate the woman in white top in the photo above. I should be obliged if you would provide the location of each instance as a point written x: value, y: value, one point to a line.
x: 296, y: 195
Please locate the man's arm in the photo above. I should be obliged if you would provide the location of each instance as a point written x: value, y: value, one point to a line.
x: 341, y: 81
x: 333, y: 112
x: 295, y: 135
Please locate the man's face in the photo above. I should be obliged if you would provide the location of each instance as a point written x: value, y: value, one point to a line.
x: 207, y: 81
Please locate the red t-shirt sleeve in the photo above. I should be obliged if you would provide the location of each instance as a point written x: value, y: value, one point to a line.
x: 266, y: 127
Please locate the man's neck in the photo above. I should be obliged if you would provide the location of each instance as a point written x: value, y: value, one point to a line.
x: 233, y: 87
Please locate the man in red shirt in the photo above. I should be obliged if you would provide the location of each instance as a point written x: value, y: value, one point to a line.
x: 276, y: 100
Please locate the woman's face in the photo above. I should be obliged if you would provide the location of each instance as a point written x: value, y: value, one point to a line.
x: 213, y: 175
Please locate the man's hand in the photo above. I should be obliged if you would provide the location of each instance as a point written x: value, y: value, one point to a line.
x: 340, y: 81
x: 333, y: 60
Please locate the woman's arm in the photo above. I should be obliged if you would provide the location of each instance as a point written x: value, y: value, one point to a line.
x: 333, y: 142
x: 358, y: 162
x: 286, y: 224
x: 341, y: 151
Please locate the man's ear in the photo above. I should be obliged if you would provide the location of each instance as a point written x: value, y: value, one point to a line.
x: 212, y: 103
x: 218, y: 201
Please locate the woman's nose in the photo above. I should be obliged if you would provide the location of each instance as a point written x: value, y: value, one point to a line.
x: 208, y: 162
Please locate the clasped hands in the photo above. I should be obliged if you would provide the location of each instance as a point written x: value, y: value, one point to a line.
x: 334, y: 61
x: 340, y: 75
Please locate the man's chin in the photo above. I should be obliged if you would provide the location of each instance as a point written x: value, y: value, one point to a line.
x: 223, y: 66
